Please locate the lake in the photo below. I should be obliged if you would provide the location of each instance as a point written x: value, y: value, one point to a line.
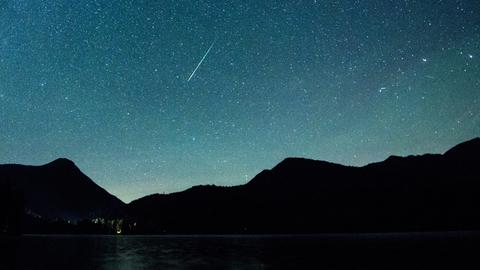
x: 455, y: 250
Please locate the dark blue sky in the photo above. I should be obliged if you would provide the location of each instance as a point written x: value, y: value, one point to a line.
x: 104, y: 83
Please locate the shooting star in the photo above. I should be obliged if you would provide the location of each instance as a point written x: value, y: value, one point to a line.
x: 201, y: 61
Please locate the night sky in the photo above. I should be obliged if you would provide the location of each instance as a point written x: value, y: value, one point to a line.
x: 105, y: 84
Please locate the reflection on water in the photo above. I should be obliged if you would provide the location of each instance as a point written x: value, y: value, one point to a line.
x: 391, y: 251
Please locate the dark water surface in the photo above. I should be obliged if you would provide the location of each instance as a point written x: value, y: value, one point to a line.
x: 371, y: 251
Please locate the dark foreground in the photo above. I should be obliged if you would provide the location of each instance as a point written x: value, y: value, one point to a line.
x: 455, y: 250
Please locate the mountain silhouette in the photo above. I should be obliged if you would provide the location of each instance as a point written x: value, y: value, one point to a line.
x: 414, y: 193
x: 58, y: 190
x: 431, y: 192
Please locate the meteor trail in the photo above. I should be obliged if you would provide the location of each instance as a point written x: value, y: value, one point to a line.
x: 201, y: 61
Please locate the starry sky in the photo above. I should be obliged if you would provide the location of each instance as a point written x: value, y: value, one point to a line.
x: 105, y: 84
